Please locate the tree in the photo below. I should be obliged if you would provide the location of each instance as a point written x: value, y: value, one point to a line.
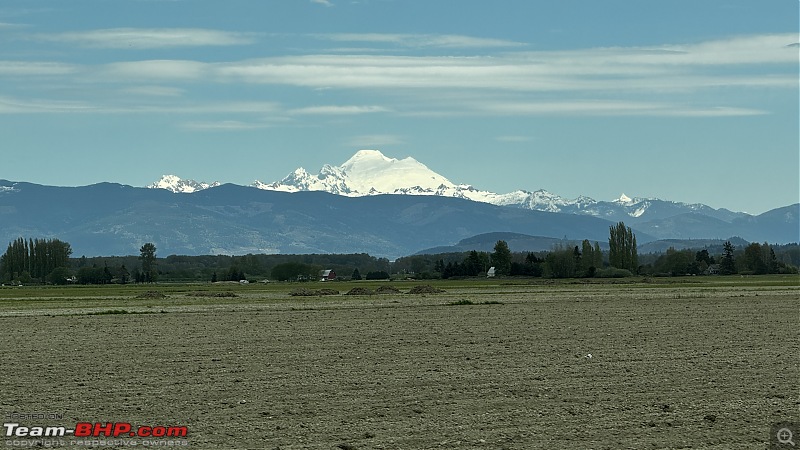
x: 677, y: 262
x: 560, y: 264
x: 59, y: 275
x: 587, y: 259
x: 377, y: 275
x: 501, y: 258
x: 622, y: 252
x: 148, y: 258
x: 438, y: 266
x: 598, y: 255
x: 727, y: 265
x: 235, y: 274
x: 476, y: 263
x: 295, y: 271
x: 770, y: 258
x: 356, y: 274
x: 35, y: 257
x: 753, y: 259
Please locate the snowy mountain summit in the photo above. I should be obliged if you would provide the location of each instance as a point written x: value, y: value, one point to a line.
x: 175, y: 184
x: 370, y: 172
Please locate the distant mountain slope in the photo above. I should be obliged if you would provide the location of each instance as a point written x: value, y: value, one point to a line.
x: 110, y: 219
x: 370, y: 172
x: 517, y: 242
x: 113, y: 219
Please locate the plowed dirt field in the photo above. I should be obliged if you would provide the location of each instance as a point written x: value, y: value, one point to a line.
x: 517, y: 366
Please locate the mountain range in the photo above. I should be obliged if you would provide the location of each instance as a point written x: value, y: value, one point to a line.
x: 370, y: 204
x: 370, y: 172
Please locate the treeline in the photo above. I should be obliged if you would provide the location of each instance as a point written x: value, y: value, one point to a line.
x: 579, y: 261
x: 181, y: 268
x: 753, y: 259
x: 48, y: 261
x: 35, y: 259
x: 587, y: 260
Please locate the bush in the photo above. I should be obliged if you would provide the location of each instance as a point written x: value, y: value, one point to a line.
x: 613, y: 272
x: 379, y: 275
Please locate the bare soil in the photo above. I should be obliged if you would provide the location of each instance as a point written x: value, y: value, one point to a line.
x: 670, y: 367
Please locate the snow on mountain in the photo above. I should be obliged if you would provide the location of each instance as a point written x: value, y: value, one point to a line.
x: 176, y: 184
x: 370, y: 172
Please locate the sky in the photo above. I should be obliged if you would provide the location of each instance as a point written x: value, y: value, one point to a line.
x: 685, y: 100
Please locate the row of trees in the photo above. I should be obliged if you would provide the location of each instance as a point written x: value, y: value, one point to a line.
x: 583, y: 261
x: 564, y: 262
x: 40, y: 260
x: 33, y: 259
x: 755, y: 259
x: 48, y: 260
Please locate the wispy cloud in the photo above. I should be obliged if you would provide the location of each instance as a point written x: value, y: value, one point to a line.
x: 11, y: 26
x: 338, y: 110
x: 150, y: 38
x: 224, y: 125
x: 610, y: 108
x: 153, y: 70
x: 421, y: 40
x: 10, y: 105
x: 154, y: 91
x: 322, y: 2
x: 617, y: 69
x: 33, y: 68
x: 270, y: 110
x: 670, y: 80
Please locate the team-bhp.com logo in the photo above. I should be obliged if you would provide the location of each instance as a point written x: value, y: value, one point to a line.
x: 87, y: 429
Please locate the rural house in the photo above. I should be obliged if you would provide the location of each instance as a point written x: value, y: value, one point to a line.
x: 327, y: 275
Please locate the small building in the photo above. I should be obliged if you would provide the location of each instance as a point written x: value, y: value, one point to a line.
x: 327, y: 275
x: 490, y: 272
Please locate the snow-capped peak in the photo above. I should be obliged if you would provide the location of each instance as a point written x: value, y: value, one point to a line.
x: 176, y: 184
x: 624, y: 200
x: 371, y: 169
x: 370, y: 172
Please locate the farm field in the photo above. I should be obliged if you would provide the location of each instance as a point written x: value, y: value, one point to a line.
x: 516, y: 364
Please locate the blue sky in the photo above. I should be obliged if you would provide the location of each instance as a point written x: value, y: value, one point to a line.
x: 693, y: 101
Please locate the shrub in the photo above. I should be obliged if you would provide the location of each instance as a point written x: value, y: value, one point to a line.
x: 378, y: 275
x: 460, y: 302
x: 613, y: 272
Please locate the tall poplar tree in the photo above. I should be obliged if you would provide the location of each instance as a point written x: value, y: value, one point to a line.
x: 622, y: 252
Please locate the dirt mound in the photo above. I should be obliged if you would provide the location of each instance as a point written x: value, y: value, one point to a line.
x: 387, y: 290
x: 211, y: 294
x: 425, y: 289
x: 151, y: 294
x: 360, y: 291
x: 302, y: 292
